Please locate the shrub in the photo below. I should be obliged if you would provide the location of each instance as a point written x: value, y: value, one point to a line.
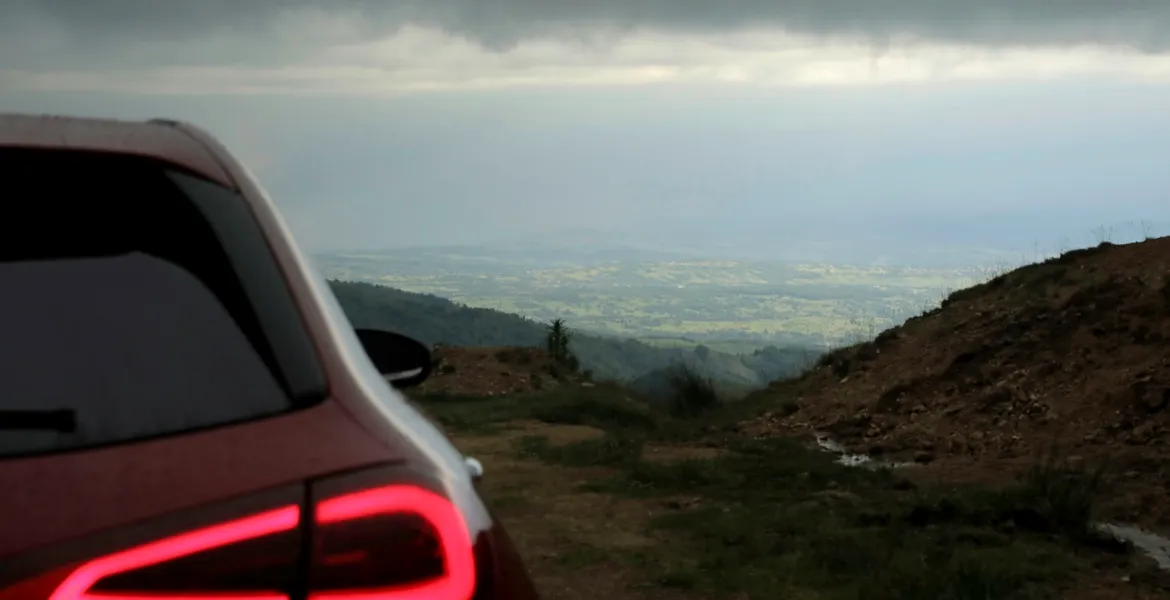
x: 691, y: 394
x: 1063, y: 495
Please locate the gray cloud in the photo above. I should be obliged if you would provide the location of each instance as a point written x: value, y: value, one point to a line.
x: 79, y: 33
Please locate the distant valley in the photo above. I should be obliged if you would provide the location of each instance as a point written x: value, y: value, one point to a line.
x: 665, y: 299
x: 435, y: 320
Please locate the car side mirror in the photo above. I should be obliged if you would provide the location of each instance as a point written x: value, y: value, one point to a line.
x: 404, y: 361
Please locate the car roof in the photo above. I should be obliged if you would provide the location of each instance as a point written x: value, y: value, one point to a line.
x: 157, y: 139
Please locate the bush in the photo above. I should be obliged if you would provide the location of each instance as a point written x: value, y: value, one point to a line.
x: 691, y: 394
x: 1053, y: 498
x: 1063, y: 495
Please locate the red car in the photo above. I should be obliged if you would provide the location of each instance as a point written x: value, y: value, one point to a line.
x: 187, y: 413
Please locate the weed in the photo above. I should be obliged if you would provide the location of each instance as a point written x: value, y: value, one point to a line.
x: 582, y: 555
x: 585, y: 409
x: 569, y: 406
x: 610, y: 450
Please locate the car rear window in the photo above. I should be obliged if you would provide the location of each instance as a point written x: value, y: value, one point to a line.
x: 136, y: 301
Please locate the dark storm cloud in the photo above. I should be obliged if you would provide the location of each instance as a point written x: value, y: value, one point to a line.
x: 243, y: 30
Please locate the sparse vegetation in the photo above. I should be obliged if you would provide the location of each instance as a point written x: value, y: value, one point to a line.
x: 597, y: 407
x: 774, y: 518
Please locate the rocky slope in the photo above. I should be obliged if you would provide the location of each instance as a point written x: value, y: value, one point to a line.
x: 1072, y: 354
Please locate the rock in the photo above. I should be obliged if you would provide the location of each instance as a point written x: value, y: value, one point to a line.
x: 681, y: 503
x: 1157, y: 401
x: 957, y: 445
x: 923, y: 457
x: 1142, y: 434
x: 837, y: 495
x: 905, y: 485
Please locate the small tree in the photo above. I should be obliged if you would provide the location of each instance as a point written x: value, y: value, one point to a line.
x: 557, y: 338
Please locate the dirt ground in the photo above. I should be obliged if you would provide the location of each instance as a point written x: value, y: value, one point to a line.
x: 492, y: 371
x: 582, y: 545
x: 568, y: 538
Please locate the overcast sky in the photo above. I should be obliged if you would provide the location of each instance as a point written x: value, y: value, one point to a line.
x: 780, y: 124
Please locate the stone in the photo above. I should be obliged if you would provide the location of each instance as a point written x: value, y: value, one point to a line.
x: 1157, y: 401
x: 923, y: 457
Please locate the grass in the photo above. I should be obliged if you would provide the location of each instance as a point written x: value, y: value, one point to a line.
x: 776, y: 519
x: 598, y: 407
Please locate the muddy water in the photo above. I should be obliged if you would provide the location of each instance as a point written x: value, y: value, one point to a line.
x: 856, y: 460
x: 1153, y: 545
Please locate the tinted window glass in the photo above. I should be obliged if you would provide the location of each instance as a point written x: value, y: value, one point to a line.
x: 121, y: 312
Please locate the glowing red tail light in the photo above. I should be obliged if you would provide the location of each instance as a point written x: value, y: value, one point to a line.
x: 393, y: 542
x: 137, y: 567
x: 429, y: 555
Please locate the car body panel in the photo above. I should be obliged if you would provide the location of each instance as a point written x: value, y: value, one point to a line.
x: 84, y: 498
x: 82, y: 492
x: 106, y: 135
x: 350, y: 373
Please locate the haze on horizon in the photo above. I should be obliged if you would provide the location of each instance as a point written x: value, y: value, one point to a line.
x: 868, y: 128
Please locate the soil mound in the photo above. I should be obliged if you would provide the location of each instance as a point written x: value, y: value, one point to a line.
x: 492, y: 371
x: 1072, y: 353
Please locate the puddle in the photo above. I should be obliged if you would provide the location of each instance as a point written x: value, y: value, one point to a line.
x: 856, y: 460
x: 1151, y: 544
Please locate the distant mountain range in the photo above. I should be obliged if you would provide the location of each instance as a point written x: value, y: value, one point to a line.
x: 960, y: 240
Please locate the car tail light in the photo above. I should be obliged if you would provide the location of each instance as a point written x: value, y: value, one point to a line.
x: 242, y: 559
x: 389, y: 542
x: 395, y: 542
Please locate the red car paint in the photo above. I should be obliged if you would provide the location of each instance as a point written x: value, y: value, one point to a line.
x: 305, y: 503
